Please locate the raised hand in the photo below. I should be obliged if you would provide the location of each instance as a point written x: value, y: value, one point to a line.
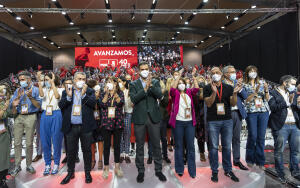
x: 15, y: 102
x: 194, y: 72
x: 214, y: 87
x: 85, y: 86
x: 29, y: 93
x: 181, y: 71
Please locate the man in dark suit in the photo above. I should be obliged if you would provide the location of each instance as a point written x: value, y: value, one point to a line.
x: 144, y: 94
x: 77, y: 106
x: 285, y: 125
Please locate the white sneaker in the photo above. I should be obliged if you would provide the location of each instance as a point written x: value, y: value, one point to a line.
x: 55, y: 170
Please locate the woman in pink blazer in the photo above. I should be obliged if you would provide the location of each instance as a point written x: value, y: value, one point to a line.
x: 183, y: 121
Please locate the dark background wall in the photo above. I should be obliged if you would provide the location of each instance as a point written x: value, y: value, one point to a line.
x: 14, y: 58
x: 273, y: 49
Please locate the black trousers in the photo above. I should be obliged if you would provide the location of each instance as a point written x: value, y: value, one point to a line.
x: 154, y: 136
x: 107, y: 143
x: 73, y: 137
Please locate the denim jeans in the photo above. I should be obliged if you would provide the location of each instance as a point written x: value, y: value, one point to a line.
x: 185, y: 129
x: 163, y: 139
x: 224, y: 128
x: 256, y: 125
x: 292, y: 134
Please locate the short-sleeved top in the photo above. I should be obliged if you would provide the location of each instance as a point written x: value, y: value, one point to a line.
x: 250, y: 106
x: 49, y: 98
x: 226, y: 94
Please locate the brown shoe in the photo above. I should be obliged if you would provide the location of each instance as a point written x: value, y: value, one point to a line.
x: 122, y: 159
x: 93, y: 164
x: 37, y: 158
x: 202, y: 157
x: 100, y: 165
x: 127, y: 160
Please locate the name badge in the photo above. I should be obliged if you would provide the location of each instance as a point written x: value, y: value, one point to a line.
x: 49, y: 109
x: 220, y: 109
x: 111, y: 112
x: 76, y: 110
x: 24, y: 109
x: 2, y: 127
x: 187, y: 113
x: 258, y: 103
x: 96, y: 115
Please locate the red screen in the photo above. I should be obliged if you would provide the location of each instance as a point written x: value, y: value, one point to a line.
x: 106, y: 56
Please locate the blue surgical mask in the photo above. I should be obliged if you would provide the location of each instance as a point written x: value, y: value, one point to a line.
x: 291, y: 88
x: 233, y: 77
x: 47, y: 84
x: 23, y: 84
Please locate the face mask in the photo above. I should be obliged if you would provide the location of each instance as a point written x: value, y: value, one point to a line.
x: 188, y: 85
x: 47, y: 84
x: 23, y: 84
x: 216, y: 77
x: 175, y: 77
x: 121, y: 85
x: 80, y: 84
x: 232, y: 77
x: 110, y: 86
x: 291, y: 88
x: 144, y: 73
x: 97, y: 88
x: 181, y: 87
x: 252, y: 75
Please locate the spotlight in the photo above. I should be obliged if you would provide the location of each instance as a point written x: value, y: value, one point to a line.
x: 71, y: 23
x: 32, y: 28
x: 173, y: 38
x: 63, y: 13
x: 52, y: 43
x: 227, y: 17
x: 113, y: 30
x: 114, y: 36
x: 78, y: 33
x: 1, y: 6
x: 223, y: 27
x: 143, y: 36
x: 202, y: 41
x: 145, y: 30
x: 205, y: 1
x: 209, y: 36
x: 221, y: 46
x: 30, y: 15
x: 236, y: 18
x: 148, y: 20
x: 58, y: 47
x: 181, y: 16
x: 53, y: 0
x: 253, y: 6
x: 30, y: 47
x: 86, y: 43
x: 44, y: 37
x: 258, y: 27
x: 18, y: 18
x: 106, y: 1
x: 195, y: 46
x: 194, y: 13
x: 132, y: 16
x: 178, y: 32
x: 186, y: 22
x: 153, y: 1
x: 110, y: 20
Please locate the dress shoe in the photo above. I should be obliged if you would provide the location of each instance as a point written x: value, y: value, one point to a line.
x: 149, y: 161
x: 161, y: 176
x: 64, y: 160
x: 240, y: 165
x: 214, y: 177
x: 37, y: 158
x: 202, y: 157
x: 232, y: 176
x: 167, y: 160
x: 88, y: 177
x: 140, y: 178
x: 127, y: 159
x: 68, y: 178
x: 77, y: 160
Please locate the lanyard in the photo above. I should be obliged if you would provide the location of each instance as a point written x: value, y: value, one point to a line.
x: 112, y: 101
x: 78, y: 98
x: 221, y: 92
x: 49, y: 96
x: 184, y: 98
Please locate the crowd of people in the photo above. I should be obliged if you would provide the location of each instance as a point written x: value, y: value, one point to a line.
x: 172, y: 106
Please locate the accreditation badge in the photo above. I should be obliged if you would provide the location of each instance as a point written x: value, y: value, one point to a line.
x: 258, y: 102
x: 24, y: 109
x: 76, y: 110
x: 187, y: 113
x: 2, y: 127
x: 49, y: 110
x: 220, y: 109
x: 111, y: 112
x: 97, y: 115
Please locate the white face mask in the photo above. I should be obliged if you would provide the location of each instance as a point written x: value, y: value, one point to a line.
x: 175, y: 77
x: 80, y: 84
x: 144, y: 73
x: 216, y: 77
x: 110, y: 86
x: 188, y: 85
x: 291, y: 88
x: 181, y: 87
x: 252, y: 75
x: 121, y: 85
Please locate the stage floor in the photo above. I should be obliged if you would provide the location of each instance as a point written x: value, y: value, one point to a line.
x: 248, y: 179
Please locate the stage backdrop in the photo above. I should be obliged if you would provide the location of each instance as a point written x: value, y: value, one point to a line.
x: 127, y: 56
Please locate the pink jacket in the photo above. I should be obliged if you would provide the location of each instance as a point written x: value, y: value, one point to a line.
x: 175, y: 94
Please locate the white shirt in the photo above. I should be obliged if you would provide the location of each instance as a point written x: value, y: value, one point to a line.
x: 290, y: 116
x: 128, y: 104
x: 182, y: 106
x: 49, y: 95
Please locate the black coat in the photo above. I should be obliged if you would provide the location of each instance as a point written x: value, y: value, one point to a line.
x: 88, y: 105
x: 279, y: 111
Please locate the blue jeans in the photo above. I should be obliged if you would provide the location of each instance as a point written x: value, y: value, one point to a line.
x: 256, y: 125
x: 185, y: 129
x: 292, y: 134
x: 225, y: 129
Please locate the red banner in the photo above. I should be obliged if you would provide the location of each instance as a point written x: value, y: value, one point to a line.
x: 106, y: 56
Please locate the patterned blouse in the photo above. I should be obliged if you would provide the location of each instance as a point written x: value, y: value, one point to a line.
x: 250, y: 106
x: 118, y: 121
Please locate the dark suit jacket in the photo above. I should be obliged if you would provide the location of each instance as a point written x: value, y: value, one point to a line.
x: 88, y: 104
x: 279, y: 111
x: 145, y: 102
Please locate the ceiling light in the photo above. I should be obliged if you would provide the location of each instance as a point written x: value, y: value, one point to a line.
x: 181, y: 16
x: 148, y: 20
x: 1, y: 6
x: 209, y: 36
x: 52, y: 43
x: 173, y: 38
x: 186, y: 22
x: 202, y: 41
x: 195, y: 46
x: 44, y: 37
x: 143, y: 36
x: 236, y: 18
x: 142, y: 41
x: 30, y: 47
x: 178, y: 32
x: 194, y: 13
x: 153, y: 1
x: 223, y: 27
x: 78, y: 33
x: 253, y: 6
x: 113, y: 30
x: 205, y: 1
x: 106, y: 1
x: 18, y: 18
x: 110, y: 20
x: 258, y: 27
x: 63, y: 13
x: 114, y: 36
x: 227, y: 17
x: 71, y: 23
x: 53, y: 0
x: 8, y: 10
x: 86, y: 43
x: 58, y: 47
x: 221, y: 46
x: 32, y: 28
x: 145, y: 30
